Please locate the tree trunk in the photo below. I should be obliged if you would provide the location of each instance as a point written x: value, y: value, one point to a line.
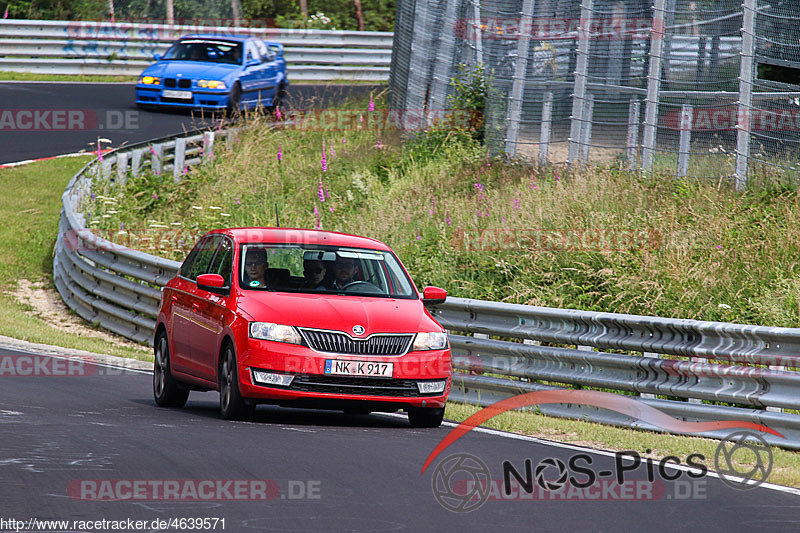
x: 236, y: 7
x: 111, y: 9
x: 170, y: 13
x: 304, y: 9
x: 359, y: 15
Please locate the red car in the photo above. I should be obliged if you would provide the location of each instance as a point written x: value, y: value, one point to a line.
x: 300, y: 318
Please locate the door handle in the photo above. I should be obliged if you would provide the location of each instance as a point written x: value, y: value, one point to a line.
x: 195, y: 307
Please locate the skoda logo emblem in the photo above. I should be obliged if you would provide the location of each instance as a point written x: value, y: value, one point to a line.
x: 358, y: 330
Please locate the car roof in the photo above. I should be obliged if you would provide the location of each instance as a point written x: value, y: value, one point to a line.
x: 300, y: 236
x: 217, y: 36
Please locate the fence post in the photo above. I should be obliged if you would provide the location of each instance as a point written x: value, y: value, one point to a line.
x: 518, y: 86
x: 179, y: 159
x: 208, y: 146
x: 586, y: 131
x: 685, y: 143
x: 477, y: 31
x: 633, y: 133
x: 653, y: 86
x: 579, y: 92
x: 547, y: 122
x: 122, y: 167
x: 444, y: 54
x: 157, y: 151
x: 136, y: 162
x: 745, y: 93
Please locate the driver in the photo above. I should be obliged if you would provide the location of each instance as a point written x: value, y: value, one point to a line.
x: 343, y: 271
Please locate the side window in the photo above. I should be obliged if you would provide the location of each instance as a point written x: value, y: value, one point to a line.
x: 252, y: 53
x: 223, y: 261
x: 186, y: 267
x: 267, y: 55
x: 205, y: 254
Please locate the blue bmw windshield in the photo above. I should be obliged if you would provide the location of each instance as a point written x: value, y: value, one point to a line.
x: 206, y: 50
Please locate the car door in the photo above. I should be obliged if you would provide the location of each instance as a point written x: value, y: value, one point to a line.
x: 269, y: 68
x: 210, y: 313
x: 186, y: 305
x: 253, y: 73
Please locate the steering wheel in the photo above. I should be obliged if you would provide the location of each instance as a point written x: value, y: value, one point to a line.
x: 371, y: 288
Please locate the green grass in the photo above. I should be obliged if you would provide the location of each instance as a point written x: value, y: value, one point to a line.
x: 38, y: 76
x: 786, y: 466
x: 30, y: 205
x: 700, y: 250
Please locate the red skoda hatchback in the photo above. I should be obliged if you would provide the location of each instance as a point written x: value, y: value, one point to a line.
x: 300, y: 318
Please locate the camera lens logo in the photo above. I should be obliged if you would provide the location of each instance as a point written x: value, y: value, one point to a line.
x: 461, y: 471
x: 743, y: 460
x: 546, y: 466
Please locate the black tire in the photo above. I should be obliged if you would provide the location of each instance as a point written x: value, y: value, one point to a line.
x: 167, y: 391
x: 235, y: 99
x: 231, y: 404
x: 426, y: 417
x: 279, y: 98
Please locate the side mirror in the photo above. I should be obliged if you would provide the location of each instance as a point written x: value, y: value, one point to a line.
x: 157, y: 57
x: 212, y: 283
x: 433, y: 296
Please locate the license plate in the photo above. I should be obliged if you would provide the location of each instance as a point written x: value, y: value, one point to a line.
x: 358, y: 368
x: 182, y: 95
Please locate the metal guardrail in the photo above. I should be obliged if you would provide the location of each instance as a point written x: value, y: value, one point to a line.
x: 679, y: 369
x: 688, y: 389
x: 105, y: 48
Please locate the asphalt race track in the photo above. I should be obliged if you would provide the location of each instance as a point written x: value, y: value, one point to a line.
x: 363, y: 472
x: 108, y: 110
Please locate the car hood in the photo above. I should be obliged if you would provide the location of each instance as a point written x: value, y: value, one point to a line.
x: 340, y: 313
x: 191, y: 69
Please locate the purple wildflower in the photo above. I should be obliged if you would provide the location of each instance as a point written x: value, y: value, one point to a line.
x: 419, y: 237
x: 327, y: 192
x: 280, y: 153
x: 238, y: 201
x: 324, y: 161
x: 332, y: 209
x: 515, y: 203
x: 316, y: 215
x: 433, y: 207
x: 277, y: 112
x: 155, y: 196
x: 371, y: 105
x: 321, y: 192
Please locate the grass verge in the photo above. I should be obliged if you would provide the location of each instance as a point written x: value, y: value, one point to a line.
x: 32, y: 200
x: 785, y: 470
x: 37, y: 76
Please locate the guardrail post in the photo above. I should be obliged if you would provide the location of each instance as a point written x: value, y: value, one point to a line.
x: 685, y: 142
x: 158, y: 154
x: 122, y: 168
x: 653, y: 87
x: 136, y: 162
x: 547, y: 123
x: 633, y: 133
x: 514, y: 113
x: 579, y: 93
x: 179, y: 160
x: 648, y: 395
x: 745, y: 93
x: 586, y: 131
x: 105, y: 168
x: 208, y: 146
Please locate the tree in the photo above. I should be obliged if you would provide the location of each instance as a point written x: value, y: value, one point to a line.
x: 359, y: 15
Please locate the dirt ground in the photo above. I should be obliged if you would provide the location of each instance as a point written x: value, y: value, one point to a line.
x: 46, y: 304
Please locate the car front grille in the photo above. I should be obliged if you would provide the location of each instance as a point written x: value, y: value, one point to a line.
x: 341, y: 343
x: 182, y: 83
x: 360, y: 386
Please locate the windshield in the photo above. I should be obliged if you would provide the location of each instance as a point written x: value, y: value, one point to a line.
x: 205, y: 50
x: 323, y: 269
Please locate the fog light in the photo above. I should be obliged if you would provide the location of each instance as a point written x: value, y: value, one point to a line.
x: 271, y: 379
x: 431, y: 387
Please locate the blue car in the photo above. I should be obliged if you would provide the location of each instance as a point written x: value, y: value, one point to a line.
x: 216, y: 73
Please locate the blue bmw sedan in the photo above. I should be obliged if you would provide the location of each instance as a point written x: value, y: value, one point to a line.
x: 215, y: 72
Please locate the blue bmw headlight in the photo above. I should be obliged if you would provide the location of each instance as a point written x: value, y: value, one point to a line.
x: 211, y: 84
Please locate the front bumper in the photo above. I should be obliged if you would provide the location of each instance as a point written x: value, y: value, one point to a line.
x: 208, y: 99
x: 311, y: 385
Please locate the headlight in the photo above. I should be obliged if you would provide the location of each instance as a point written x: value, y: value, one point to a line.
x: 430, y: 341
x: 211, y: 84
x: 274, y: 332
x: 149, y: 80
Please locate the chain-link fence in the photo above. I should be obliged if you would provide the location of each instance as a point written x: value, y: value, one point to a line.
x: 701, y: 88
